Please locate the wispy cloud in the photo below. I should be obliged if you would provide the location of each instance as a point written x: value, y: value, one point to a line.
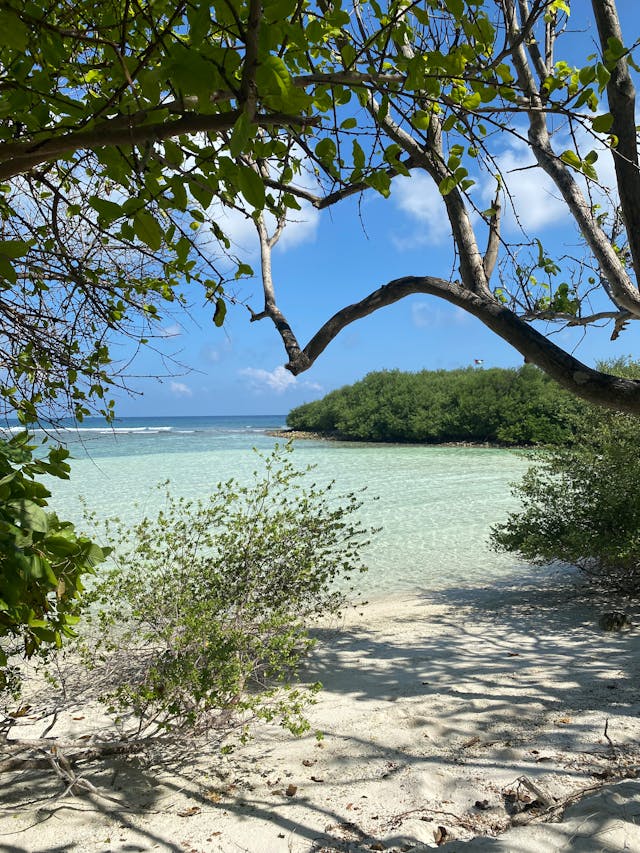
x: 179, y: 389
x: 241, y: 231
x: 172, y: 331
x: 426, y: 315
x: 419, y: 198
x: 278, y: 380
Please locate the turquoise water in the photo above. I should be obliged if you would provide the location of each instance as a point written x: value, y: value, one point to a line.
x: 435, y: 504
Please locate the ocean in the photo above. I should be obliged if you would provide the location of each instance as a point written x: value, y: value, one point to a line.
x: 435, y: 504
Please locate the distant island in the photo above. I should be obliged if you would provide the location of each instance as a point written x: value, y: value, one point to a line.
x: 507, y: 407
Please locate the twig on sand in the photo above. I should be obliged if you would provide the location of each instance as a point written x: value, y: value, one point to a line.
x: 72, y: 751
x: 556, y: 808
x: 606, y: 735
x: 73, y: 782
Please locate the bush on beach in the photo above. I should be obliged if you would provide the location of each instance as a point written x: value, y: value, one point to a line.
x: 581, y: 504
x: 43, y: 561
x: 204, y: 615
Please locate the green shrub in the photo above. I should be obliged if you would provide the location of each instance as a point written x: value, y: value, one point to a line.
x: 42, y: 559
x: 581, y: 505
x: 204, y: 618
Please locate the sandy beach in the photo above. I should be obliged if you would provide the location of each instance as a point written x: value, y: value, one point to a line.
x: 497, y: 719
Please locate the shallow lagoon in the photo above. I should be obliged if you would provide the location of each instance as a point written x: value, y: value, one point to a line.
x: 435, y: 505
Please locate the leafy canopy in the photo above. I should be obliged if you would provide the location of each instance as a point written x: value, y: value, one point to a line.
x: 125, y: 124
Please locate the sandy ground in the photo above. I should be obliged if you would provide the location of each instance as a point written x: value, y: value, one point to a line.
x: 445, y: 717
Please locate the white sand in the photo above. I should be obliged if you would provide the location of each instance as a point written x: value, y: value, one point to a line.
x: 429, y: 706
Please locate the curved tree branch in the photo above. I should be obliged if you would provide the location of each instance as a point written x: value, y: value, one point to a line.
x: 572, y: 374
x: 18, y: 158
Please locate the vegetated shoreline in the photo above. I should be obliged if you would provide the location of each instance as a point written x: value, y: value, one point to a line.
x: 295, y: 434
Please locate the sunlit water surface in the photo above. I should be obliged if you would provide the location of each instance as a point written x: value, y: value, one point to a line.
x: 435, y: 505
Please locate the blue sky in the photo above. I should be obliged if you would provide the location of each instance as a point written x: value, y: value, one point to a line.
x: 329, y: 259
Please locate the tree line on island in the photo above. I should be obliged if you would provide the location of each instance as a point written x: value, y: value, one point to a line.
x: 498, y: 405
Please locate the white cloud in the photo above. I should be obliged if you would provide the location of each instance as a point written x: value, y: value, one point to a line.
x: 180, y: 389
x: 531, y: 193
x: 419, y: 197
x: 173, y: 331
x: 535, y: 202
x: 239, y: 228
x: 428, y: 315
x: 278, y: 380
x: 301, y: 227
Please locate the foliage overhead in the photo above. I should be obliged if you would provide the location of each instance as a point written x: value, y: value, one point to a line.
x: 43, y: 561
x: 204, y: 619
x: 511, y: 407
x: 125, y: 126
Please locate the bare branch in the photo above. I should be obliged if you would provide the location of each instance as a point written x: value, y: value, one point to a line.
x: 581, y: 380
x: 532, y: 45
x: 626, y: 293
x: 271, y: 309
x: 493, y: 240
x: 622, y: 105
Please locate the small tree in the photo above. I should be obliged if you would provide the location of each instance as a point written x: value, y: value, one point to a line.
x: 581, y: 505
x: 204, y: 617
x: 42, y: 560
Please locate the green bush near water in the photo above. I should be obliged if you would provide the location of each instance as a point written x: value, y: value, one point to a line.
x: 509, y: 407
x: 204, y: 618
x: 43, y: 561
x: 581, y: 504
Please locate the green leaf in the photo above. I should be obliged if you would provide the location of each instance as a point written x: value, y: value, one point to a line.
x: 276, y: 86
x: 148, y: 229
x: 30, y: 516
x: 381, y: 182
x: 251, y: 186
x: 615, y: 50
x: 602, y: 123
x: 7, y: 271
x: 15, y: 248
x: 447, y: 184
x: 61, y: 546
x: 220, y: 312
x: 358, y: 155
x: 326, y: 150
x: 571, y: 159
x: 201, y: 191
x: 421, y: 120
x: 15, y: 34
x: 242, y: 132
x: 108, y: 211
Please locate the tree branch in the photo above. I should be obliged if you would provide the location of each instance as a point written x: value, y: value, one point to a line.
x: 622, y: 105
x: 248, y: 91
x: 626, y: 293
x: 493, y: 240
x: 581, y: 380
x: 17, y: 158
